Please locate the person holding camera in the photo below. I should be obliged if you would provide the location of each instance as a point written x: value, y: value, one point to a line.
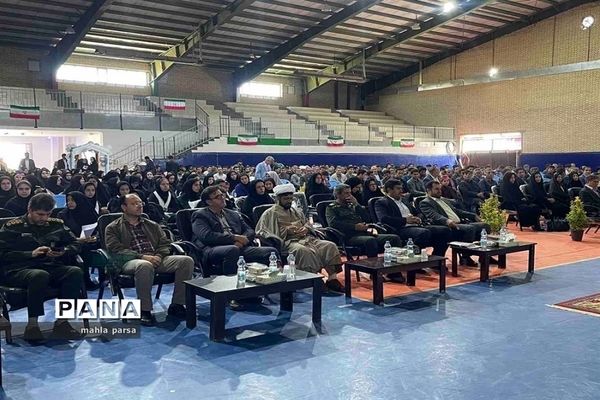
x: 37, y: 252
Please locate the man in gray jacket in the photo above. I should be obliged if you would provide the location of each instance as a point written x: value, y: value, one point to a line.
x: 141, y: 247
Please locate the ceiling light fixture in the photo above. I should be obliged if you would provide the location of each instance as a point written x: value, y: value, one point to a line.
x: 587, y: 22
x: 493, y: 72
x: 448, y: 6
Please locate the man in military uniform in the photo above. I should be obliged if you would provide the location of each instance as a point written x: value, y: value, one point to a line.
x: 36, y: 251
x: 350, y: 218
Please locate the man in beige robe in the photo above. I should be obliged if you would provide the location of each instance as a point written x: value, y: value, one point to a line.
x: 288, y: 225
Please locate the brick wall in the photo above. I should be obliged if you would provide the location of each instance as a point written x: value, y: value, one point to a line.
x: 556, y: 113
x: 14, y: 68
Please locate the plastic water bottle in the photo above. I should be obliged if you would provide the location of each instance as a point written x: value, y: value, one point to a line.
x: 483, y: 241
x: 503, y: 234
x: 291, y: 260
x: 241, y: 272
x: 424, y: 255
x: 387, y: 253
x: 410, y: 248
x: 273, y: 261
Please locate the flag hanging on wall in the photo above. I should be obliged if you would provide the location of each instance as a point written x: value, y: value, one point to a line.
x: 24, y: 112
x: 407, y: 143
x: 335, y: 141
x: 174, y: 104
x: 247, y: 140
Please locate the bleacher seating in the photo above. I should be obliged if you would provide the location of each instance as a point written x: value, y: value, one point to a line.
x: 388, y: 125
x: 276, y: 122
x: 334, y: 124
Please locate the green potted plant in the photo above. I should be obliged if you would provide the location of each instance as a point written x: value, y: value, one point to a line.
x: 577, y: 220
x: 490, y: 213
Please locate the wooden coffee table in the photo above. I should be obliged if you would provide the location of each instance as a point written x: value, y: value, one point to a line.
x: 374, y: 267
x: 486, y: 253
x: 221, y: 289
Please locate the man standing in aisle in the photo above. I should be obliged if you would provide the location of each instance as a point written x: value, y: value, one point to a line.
x: 263, y: 167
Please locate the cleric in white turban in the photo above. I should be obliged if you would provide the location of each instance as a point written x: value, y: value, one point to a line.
x: 289, y: 227
x: 284, y: 189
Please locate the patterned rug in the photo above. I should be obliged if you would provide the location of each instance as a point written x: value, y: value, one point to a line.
x: 587, y: 305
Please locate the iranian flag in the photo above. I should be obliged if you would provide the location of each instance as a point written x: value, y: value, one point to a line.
x: 335, y: 141
x: 174, y: 104
x: 24, y: 112
x: 247, y: 140
x: 407, y: 143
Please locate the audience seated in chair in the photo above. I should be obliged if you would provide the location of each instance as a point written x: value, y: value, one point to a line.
x: 471, y: 193
x: 514, y: 199
x: 141, y: 248
x: 289, y: 226
x: 38, y: 252
x: 465, y: 226
x: 223, y: 236
x: 589, y: 195
x: 396, y: 211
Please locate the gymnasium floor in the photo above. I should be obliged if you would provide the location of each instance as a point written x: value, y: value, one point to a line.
x: 478, y: 341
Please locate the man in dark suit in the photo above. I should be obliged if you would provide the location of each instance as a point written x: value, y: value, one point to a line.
x: 27, y: 164
x: 589, y: 194
x: 63, y: 163
x: 223, y: 236
x: 171, y: 165
x: 465, y: 226
x: 469, y: 189
x: 396, y: 211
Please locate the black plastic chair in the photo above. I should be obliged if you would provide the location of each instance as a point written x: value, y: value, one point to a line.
x: 16, y: 297
x: 371, y: 208
x: 183, y: 218
x: 317, y: 198
x: 573, y: 192
x: 258, y: 211
x: 4, y: 213
x: 116, y: 279
x: 239, y: 202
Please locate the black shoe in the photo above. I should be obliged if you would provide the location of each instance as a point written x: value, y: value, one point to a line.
x: 176, y: 310
x: 33, y: 334
x: 396, y: 277
x: 64, y: 331
x: 147, y: 319
x: 235, y: 306
x: 334, y: 285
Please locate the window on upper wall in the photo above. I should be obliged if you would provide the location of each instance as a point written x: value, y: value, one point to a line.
x: 261, y: 90
x: 101, y: 76
x: 491, y: 142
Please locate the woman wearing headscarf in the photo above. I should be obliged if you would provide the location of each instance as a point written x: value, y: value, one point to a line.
x: 370, y: 190
x: 269, y: 185
x: 273, y: 175
x: 123, y: 189
x: 78, y: 213
x: 148, y: 183
x: 559, y: 193
x: 76, y: 216
x: 257, y: 196
x: 54, y: 184
x: 135, y: 182
x: 43, y: 176
x: 233, y: 179
x: 89, y: 191
x: 93, y: 165
x: 74, y: 184
x: 18, y: 204
x: 514, y: 199
x: 574, y: 181
x: 315, y: 185
x: 164, y: 196
x: 242, y: 188
x: 209, y: 180
x: 7, y: 190
x: 535, y: 186
x: 190, y: 193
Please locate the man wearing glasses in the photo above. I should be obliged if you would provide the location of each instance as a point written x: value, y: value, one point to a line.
x: 223, y: 236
